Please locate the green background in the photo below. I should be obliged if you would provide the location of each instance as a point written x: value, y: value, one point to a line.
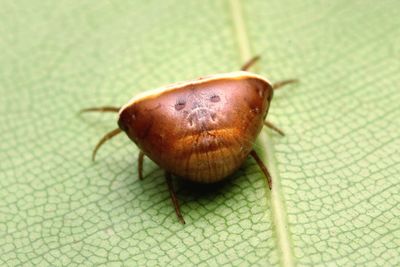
x: 336, y: 195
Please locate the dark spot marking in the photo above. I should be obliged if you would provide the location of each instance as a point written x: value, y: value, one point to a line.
x: 215, y: 98
x: 180, y: 104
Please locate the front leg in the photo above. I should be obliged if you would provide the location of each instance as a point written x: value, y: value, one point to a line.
x: 140, y: 164
x: 280, y: 84
x: 174, y: 199
x: 273, y: 127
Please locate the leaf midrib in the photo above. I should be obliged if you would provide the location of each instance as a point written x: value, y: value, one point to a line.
x: 279, y: 213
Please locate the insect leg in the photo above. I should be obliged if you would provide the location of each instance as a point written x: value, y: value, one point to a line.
x: 280, y: 84
x: 140, y: 165
x: 250, y: 63
x: 105, y: 138
x: 273, y: 127
x: 262, y: 167
x: 174, y: 198
x: 101, y: 109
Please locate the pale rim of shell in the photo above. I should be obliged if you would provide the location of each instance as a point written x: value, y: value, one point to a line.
x: 236, y: 75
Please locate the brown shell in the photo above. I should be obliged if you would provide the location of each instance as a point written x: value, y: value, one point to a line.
x: 201, y: 130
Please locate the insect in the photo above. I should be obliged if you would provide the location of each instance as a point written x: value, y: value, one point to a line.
x: 201, y: 130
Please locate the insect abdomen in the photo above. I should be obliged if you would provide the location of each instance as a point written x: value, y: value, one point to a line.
x: 209, y: 156
x: 202, y: 130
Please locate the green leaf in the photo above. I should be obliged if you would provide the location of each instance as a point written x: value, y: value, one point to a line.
x: 336, y: 173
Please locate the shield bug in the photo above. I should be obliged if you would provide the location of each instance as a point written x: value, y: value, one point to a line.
x: 201, y: 130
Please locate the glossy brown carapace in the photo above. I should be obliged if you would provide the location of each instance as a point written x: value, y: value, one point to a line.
x: 200, y: 130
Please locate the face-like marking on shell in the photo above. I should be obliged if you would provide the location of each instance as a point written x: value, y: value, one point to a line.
x: 201, y: 116
x: 180, y: 104
x: 215, y: 98
x: 197, y: 108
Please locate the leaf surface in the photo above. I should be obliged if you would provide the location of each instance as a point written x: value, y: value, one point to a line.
x: 336, y: 173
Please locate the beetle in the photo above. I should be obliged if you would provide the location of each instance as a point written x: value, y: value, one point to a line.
x: 201, y: 130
